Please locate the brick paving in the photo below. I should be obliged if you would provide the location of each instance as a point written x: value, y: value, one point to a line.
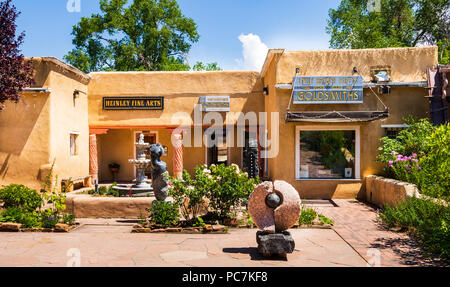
x: 359, y: 225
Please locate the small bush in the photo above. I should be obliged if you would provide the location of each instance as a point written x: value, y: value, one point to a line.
x: 307, y: 216
x: 20, y: 196
x: 427, y: 221
x: 325, y: 220
x: 49, y: 218
x: 12, y: 214
x: 226, y: 187
x: 164, y: 213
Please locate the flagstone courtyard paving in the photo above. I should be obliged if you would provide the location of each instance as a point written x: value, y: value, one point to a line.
x: 108, y: 242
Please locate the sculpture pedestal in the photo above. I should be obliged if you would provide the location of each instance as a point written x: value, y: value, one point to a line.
x: 279, y: 244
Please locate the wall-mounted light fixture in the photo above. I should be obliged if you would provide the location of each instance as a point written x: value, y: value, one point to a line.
x: 76, y: 93
x: 266, y: 91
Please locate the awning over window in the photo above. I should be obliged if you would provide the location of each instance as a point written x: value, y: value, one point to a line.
x: 336, y: 116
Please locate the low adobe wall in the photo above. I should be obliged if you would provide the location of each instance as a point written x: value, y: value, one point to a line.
x: 84, y: 206
x: 383, y: 191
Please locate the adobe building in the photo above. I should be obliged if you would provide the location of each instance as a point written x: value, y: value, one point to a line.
x: 326, y: 111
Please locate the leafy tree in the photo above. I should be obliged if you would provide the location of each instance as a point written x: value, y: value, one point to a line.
x: 399, y: 23
x: 15, y: 73
x: 199, y: 66
x: 146, y: 35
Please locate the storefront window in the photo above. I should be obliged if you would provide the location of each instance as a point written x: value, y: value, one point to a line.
x: 327, y: 154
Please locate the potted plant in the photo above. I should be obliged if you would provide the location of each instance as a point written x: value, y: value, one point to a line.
x: 114, y: 168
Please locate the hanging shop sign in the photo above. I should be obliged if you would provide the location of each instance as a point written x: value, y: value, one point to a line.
x: 215, y: 103
x: 328, y: 90
x: 133, y: 103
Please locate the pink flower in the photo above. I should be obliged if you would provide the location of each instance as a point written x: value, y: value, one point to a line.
x: 391, y: 162
x: 393, y: 153
x: 414, y: 155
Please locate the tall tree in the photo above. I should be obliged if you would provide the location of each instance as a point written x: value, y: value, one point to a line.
x: 398, y: 23
x: 146, y: 35
x: 15, y: 73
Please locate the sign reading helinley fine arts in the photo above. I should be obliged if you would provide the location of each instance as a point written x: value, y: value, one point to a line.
x: 133, y: 103
x: 328, y: 90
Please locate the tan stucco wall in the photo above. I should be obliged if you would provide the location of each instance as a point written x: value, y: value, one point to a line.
x: 406, y: 65
x: 35, y: 132
x: 68, y: 116
x: 181, y: 92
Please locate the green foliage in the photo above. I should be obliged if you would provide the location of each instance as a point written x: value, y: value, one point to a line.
x: 307, y: 216
x: 325, y: 220
x: 434, y: 179
x: 426, y: 220
x: 49, y: 218
x: 444, y: 51
x: 11, y: 214
x: 199, y: 66
x: 20, y: 196
x: 199, y: 223
x: 23, y: 205
x: 188, y: 194
x: 400, y: 23
x: 164, y: 213
x: 144, y: 35
x: 225, y: 187
x: 420, y: 155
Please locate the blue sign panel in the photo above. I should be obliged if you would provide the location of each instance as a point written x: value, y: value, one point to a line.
x: 328, y: 90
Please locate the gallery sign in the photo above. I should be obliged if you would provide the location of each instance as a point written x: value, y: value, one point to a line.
x: 328, y: 90
x: 215, y: 103
x: 133, y: 103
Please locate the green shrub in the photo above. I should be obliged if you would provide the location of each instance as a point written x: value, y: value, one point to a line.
x: 188, y: 194
x: 427, y: 221
x: 102, y: 190
x: 68, y: 219
x: 111, y: 191
x: 325, y: 220
x: 225, y: 186
x: 49, y: 218
x: 31, y: 220
x: 164, y: 213
x: 420, y: 155
x: 199, y: 223
x: 11, y: 214
x: 307, y: 216
x: 20, y: 196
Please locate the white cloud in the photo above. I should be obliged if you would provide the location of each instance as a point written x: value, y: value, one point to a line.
x: 254, y: 52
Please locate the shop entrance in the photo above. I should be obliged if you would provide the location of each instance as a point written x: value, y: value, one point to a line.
x: 150, y: 138
x: 217, y: 149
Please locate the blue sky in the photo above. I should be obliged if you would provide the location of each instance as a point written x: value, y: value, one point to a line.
x: 262, y: 24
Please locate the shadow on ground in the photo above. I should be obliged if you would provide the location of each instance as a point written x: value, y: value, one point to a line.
x: 410, y: 252
x: 253, y: 253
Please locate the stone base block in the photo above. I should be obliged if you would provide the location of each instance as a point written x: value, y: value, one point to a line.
x: 278, y: 244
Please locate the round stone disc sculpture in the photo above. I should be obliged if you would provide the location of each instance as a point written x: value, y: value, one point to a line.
x: 274, y: 207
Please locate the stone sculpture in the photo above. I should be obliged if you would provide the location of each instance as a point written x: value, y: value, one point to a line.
x: 275, y: 207
x: 160, y: 181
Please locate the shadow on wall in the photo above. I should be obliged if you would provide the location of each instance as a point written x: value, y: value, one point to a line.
x: 4, y: 167
x: 19, y: 121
